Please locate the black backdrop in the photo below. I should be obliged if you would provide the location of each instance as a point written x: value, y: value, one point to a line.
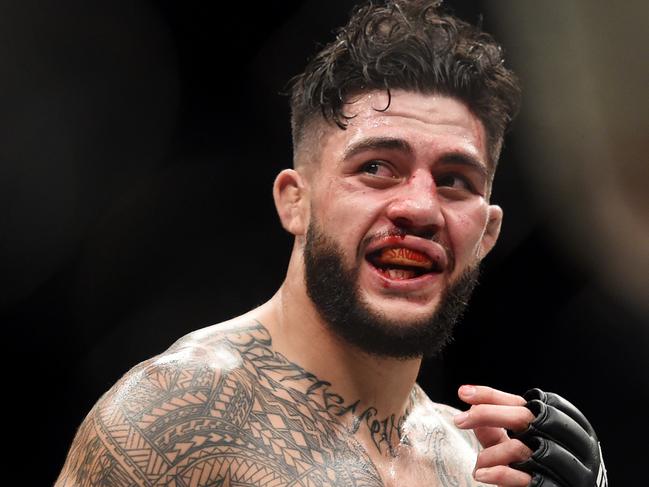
x: 139, y: 145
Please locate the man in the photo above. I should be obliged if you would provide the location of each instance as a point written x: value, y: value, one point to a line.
x: 397, y: 128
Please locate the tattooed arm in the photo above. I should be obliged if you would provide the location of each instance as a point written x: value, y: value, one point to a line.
x: 174, y: 421
x: 201, y: 415
x: 95, y: 458
x: 132, y: 436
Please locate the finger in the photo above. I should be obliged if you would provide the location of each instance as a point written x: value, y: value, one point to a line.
x: 504, y: 453
x: 514, y: 418
x: 488, y: 436
x: 541, y: 481
x: 502, y: 476
x: 563, y: 405
x: 553, y: 461
x: 488, y: 395
x: 554, y: 424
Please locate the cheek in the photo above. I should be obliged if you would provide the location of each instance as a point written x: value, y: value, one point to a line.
x: 347, y: 209
x: 466, y: 226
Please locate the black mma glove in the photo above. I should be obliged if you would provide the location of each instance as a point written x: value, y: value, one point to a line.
x: 565, y: 449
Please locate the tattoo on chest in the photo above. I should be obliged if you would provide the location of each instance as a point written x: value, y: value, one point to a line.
x: 263, y: 421
x: 167, y: 424
x: 386, y: 433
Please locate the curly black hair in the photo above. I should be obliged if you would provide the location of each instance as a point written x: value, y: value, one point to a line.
x: 411, y: 45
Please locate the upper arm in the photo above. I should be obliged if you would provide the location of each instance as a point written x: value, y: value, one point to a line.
x: 94, y: 457
x: 130, y: 436
x: 233, y: 413
x: 76, y: 470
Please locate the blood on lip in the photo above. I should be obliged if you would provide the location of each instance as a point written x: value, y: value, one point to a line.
x: 400, y: 277
x: 394, y: 239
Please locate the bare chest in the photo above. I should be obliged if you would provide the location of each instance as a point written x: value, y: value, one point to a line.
x: 440, y: 460
x: 258, y: 424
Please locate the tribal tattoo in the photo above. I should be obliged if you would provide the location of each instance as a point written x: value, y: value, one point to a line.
x: 232, y: 412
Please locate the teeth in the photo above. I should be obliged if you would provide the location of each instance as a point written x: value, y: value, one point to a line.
x: 400, y: 274
x: 403, y: 256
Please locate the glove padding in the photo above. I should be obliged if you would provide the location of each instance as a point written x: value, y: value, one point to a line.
x: 565, y: 449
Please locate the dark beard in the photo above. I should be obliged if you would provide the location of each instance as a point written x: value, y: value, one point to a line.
x: 335, y: 293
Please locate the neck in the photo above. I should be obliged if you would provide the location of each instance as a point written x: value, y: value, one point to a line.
x: 371, y: 395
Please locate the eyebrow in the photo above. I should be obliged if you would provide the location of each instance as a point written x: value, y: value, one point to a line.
x: 462, y: 159
x: 377, y: 143
x: 393, y: 143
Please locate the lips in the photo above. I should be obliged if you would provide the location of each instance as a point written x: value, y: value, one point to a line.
x: 405, y: 258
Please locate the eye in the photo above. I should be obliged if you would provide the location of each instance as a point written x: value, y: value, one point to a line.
x: 379, y: 168
x: 454, y: 181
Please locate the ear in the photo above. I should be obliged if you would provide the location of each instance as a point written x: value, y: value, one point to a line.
x: 290, y: 193
x: 492, y: 230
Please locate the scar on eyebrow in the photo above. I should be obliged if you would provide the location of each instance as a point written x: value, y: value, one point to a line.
x: 377, y: 143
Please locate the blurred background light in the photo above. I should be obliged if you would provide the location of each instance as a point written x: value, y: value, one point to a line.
x: 585, y: 128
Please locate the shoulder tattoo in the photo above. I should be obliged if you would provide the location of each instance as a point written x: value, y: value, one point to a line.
x: 179, y: 421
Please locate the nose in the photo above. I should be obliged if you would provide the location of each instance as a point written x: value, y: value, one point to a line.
x: 416, y: 207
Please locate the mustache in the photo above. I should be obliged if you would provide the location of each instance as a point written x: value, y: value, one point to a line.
x: 402, y: 233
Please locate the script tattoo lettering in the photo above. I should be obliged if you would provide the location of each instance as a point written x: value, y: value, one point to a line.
x: 386, y: 433
x: 227, y: 412
x: 182, y: 422
x: 383, y: 431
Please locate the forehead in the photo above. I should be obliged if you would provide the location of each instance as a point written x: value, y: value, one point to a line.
x: 429, y: 122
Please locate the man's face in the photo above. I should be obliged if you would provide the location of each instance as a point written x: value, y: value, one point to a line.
x: 401, y: 197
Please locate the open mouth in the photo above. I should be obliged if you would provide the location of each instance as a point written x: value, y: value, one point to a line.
x: 400, y: 263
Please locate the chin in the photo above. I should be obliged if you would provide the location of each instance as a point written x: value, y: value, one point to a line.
x: 403, y: 310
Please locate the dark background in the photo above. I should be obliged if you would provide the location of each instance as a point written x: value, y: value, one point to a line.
x: 138, y: 146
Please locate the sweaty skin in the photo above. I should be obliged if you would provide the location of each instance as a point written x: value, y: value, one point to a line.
x: 275, y: 397
x: 220, y: 407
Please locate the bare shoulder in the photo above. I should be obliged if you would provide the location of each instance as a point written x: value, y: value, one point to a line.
x: 126, y: 437
x: 436, y: 441
x: 429, y: 414
x: 446, y: 413
x: 218, y: 407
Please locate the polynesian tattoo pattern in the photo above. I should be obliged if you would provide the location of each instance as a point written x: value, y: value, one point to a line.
x: 262, y: 421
